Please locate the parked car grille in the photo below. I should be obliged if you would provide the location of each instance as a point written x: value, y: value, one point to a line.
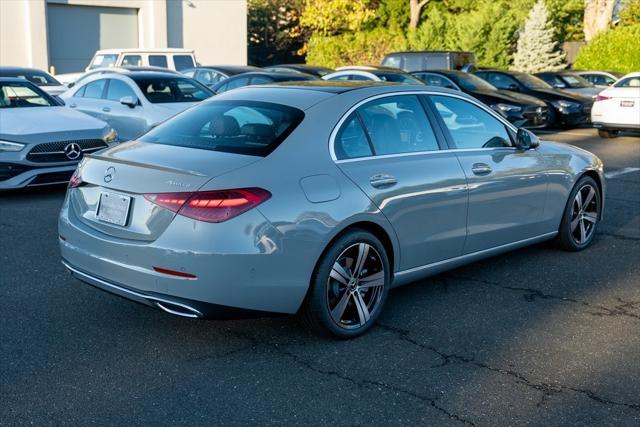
x: 9, y: 170
x: 536, y: 116
x: 55, y: 151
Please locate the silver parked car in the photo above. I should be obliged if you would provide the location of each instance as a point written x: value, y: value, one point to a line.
x: 41, y: 141
x: 135, y: 102
x: 318, y: 197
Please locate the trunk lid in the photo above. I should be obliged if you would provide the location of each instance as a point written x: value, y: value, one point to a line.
x: 135, y: 168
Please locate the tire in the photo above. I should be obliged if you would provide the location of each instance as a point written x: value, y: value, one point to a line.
x: 356, y: 303
x: 579, y: 223
x: 607, y: 133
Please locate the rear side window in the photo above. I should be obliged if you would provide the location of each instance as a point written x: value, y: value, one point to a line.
x: 500, y: 81
x: 182, y: 62
x: 351, y: 141
x: 158, y: 61
x: 398, y: 124
x: 240, y: 127
x: 629, y: 82
x: 131, y: 60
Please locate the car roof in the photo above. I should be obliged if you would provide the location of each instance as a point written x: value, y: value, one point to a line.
x: 14, y: 80
x: 303, y: 95
x: 275, y: 74
x: 143, y: 50
x: 20, y: 69
x: 228, y: 68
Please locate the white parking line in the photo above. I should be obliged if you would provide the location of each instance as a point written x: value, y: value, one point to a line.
x: 624, y: 171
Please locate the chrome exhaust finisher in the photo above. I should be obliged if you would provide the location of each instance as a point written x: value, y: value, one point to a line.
x: 173, y: 307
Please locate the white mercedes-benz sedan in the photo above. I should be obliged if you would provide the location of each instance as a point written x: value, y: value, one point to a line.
x: 618, y: 107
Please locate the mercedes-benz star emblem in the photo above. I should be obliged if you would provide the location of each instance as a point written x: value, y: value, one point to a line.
x: 72, y: 151
x: 109, y: 174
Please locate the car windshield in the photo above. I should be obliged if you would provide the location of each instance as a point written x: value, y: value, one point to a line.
x: 108, y: 60
x: 399, y: 78
x: 575, y: 81
x: 471, y: 82
x: 240, y: 127
x: 36, y: 77
x: 19, y: 95
x: 162, y: 90
x: 532, y: 82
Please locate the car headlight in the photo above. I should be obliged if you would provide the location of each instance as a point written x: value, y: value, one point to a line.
x: 10, y: 146
x: 506, y: 107
x: 561, y: 103
x: 110, y: 136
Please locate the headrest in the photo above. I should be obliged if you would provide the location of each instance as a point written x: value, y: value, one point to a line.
x: 258, y: 130
x: 224, y: 126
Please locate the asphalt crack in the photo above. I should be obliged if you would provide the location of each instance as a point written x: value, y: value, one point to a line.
x: 531, y: 294
x: 547, y: 389
x: 360, y: 383
x: 619, y: 236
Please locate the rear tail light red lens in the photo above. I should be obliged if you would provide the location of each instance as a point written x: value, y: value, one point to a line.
x: 75, y: 180
x: 211, y: 206
x: 601, y: 98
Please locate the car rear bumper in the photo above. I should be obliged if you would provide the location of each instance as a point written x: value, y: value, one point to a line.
x: 239, y: 265
x: 616, y: 126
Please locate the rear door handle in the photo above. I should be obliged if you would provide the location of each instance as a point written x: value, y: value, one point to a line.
x: 106, y: 109
x: 481, y: 169
x: 382, y: 180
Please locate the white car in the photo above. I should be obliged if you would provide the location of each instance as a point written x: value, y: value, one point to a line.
x: 135, y: 102
x: 618, y: 107
x: 376, y: 74
x: 38, y: 77
x: 172, y: 59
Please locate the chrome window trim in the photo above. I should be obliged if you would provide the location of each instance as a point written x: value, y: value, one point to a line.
x: 338, y: 126
x: 455, y: 86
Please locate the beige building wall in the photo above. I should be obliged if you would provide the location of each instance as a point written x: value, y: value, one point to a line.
x: 215, y: 29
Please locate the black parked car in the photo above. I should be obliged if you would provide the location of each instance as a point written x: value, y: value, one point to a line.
x: 258, y: 78
x: 301, y: 68
x: 520, y: 109
x: 571, y: 82
x: 569, y: 109
x: 212, y: 74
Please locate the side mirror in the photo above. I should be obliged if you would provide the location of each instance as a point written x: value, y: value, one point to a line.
x: 70, y: 85
x: 129, y: 101
x: 526, y: 140
x: 559, y: 85
x: 514, y: 87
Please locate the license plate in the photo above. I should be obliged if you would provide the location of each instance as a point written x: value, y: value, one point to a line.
x: 113, y: 208
x: 627, y: 103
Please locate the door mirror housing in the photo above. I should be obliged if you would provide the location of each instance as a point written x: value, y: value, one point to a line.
x: 559, y: 85
x: 514, y: 87
x: 526, y: 139
x: 129, y: 101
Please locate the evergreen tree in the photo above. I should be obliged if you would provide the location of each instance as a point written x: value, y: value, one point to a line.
x: 536, y: 49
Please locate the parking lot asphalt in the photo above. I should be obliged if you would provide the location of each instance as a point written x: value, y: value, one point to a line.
x: 536, y: 336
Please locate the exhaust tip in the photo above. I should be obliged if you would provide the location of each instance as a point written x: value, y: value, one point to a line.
x: 177, y: 309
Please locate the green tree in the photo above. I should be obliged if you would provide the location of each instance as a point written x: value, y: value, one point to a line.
x: 273, y: 31
x: 332, y: 17
x: 567, y: 17
x: 630, y: 12
x: 537, y: 51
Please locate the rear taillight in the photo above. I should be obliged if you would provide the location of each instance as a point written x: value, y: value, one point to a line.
x: 75, y: 180
x: 601, y: 98
x: 211, y: 206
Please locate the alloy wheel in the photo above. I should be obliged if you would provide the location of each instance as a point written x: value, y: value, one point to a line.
x: 584, y: 214
x: 355, y: 286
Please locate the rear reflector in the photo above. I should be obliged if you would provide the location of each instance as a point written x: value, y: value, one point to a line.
x: 211, y: 206
x: 75, y: 180
x: 174, y: 273
x: 601, y: 98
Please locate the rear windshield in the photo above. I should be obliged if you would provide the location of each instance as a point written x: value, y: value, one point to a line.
x: 240, y: 127
x: 163, y: 90
x: 398, y: 78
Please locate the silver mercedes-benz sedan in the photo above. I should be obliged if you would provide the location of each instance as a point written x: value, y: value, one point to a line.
x: 41, y: 141
x: 317, y: 198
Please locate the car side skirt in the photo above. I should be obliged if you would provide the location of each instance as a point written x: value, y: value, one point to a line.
x: 407, y: 276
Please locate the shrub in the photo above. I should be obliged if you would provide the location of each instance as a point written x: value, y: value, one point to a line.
x: 366, y: 47
x: 614, y: 50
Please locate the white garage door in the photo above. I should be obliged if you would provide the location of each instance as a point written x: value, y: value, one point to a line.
x: 76, y: 32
